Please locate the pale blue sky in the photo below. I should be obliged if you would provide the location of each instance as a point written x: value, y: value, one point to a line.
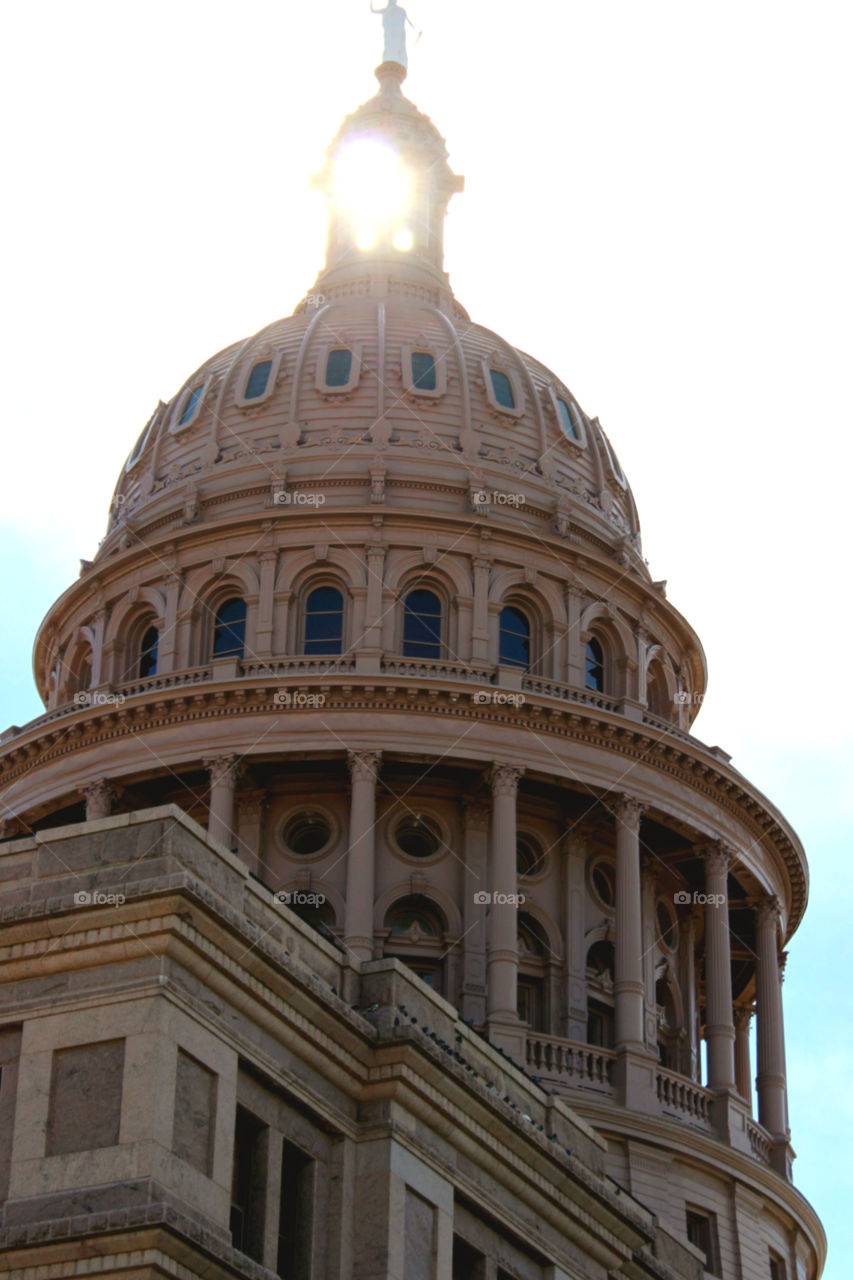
x: 658, y: 206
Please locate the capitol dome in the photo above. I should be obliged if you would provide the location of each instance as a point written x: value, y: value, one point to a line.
x: 372, y: 631
x: 380, y: 389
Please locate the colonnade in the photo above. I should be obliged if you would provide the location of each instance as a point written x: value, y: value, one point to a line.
x: 492, y: 837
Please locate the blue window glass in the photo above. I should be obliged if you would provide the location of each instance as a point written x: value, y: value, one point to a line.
x: 148, y: 653
x: 338, y: 367
x: 229, y: 629
x: 422, y: 625
x: 258, y: 379
x: 190, y: 404
x: 324, y: 621
x: 567, y: 422
x: 423, y: 371
x: 502, y: 388
x: 514, y: 638
x: 594, y: 666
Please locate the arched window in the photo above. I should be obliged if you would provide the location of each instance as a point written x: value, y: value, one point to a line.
x: 148, y: 652
x: 567, y: 421
x: 657, y: 693
x: 514, y: 638
x: 422, y: 624
x: 258, y: 380
x: 229, y: 629
x: 324, y: 621
x: 416, y: 929
x: 594, y: 665
x: 502, y: 388
x: 190, y: 404
x: 423, y: 371
x: 532, y: 951
x: 338, y: 367
x: 600, y: 969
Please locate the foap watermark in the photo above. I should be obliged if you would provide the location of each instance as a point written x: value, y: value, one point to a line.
x: 296, y: 498
x: 498, y: 698
x: 94, y: 898
x: 694, y: 699
x: 284, y: 698
x: 315, y: 300
x: 300, y: 898
x: 485, y: 899
x: 497, y: 498
x: 98, y: 698
x: 683, y: 898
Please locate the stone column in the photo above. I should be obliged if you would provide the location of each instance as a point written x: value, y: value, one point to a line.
x: 223, y: 779
x: 719, y: 1017
x: 474, y: 911
x: 480, y: 621
x: 361, y: 853
x: 650, y: 1006
x: 743, y: 1063
x: 502, y: 1002
x: 687, y: 935
x: 628, y: 988
x: 574, y: 861
x: 268, y: 561
x: 250, y: 817
x: 770, y: 1029
x: 99, y: 797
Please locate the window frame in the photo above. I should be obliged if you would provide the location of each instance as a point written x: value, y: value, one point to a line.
x: 302, y: 638
x: 526, y: 612
x: 355, y: 348
x: 182, y: 400
x: 275, y: 359
x: 440, y: 362
x: 136, y: 453
x: 148, y: 624
x: 227, y: 657
x: 556, y: 394
x: 500, y: 365
x: 594, y: 638
x: 442, y: 640
x: 712, y: 1253
x: 614, y: 467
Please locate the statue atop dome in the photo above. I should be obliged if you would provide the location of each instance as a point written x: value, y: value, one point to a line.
x: 394, y: 20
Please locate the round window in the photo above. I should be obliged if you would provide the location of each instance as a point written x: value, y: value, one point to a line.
x: 603, y: 877
x: 307, y: 832
x: 418, y: 836
x: 667, y: 926
x: 529, y: 858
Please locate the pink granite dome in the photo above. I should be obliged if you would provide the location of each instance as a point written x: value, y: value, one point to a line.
x: 380, y: 390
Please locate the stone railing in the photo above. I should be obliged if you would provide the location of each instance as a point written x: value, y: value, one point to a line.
x: 434, y: 669
x: 760, y: 1141
x: 683, y: 1099
x: 173, y: 680
x: 567, y: 693
x: 301, y: 665
x: 581, y: 1066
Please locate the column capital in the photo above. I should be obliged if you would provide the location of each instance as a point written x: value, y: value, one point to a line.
x: 504, y: 778
x: 717, y: 857
x: 744, y: 1014
x: 364, y: 765
x: 768, y: 912
x: 223, y: 770
x: 99, y: 796
x: 628, y: 811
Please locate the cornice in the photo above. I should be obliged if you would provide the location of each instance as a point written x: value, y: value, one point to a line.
x: 680, y: 760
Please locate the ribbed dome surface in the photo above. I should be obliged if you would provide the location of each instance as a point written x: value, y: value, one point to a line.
x: 541, y: 461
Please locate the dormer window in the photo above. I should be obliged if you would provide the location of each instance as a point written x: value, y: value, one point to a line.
x: 258, y: 380
x: 191, y: 404
x: 423, y: 371
x: 502, y: 389
x: 615, y: 468
x: 567, y: 421
x: 338, y: 368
